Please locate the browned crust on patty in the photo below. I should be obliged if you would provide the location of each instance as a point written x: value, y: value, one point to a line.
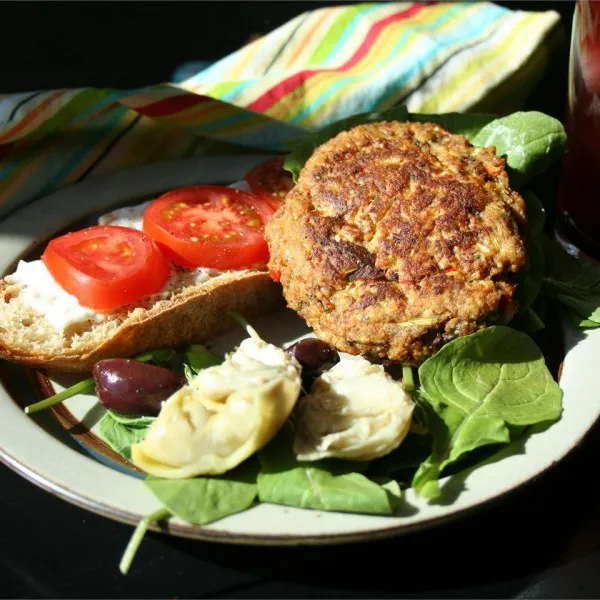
x: 398, y: 238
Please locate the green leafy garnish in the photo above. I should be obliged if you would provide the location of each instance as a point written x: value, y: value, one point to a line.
x: 408, y: 379
x: 530, y: 282
x: 326, y: 485
x: 536, y: 214
x: 121, y: 431
x: 413, y: 450
x: 197, y: 357
x: 199, y: 501
x: 138, y: 536
x: 530, y: 141
x: 477, y: 387
x: 202, y: 500
x: 574, y: 285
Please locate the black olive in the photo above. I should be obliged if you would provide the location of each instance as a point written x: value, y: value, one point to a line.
x: 315, y: 356
x: 133, y: 387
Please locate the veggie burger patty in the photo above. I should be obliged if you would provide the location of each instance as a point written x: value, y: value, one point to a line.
x: 398, y: 238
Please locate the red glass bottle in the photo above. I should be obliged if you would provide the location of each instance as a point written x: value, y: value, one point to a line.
x: 578, y: 225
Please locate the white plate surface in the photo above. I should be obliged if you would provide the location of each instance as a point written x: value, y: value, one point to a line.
x: 84, y: 480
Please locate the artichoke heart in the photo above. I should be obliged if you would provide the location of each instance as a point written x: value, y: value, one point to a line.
x: 354, y: 411
x: 227, y: 413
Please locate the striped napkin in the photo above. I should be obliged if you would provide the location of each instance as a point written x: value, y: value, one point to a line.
x: 321, y: 66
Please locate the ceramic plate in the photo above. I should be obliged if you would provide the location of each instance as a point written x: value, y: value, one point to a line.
x: 60, y: 452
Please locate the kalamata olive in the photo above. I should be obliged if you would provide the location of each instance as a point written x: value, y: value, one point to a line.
x: 314, y: 355
x: 134, y: 387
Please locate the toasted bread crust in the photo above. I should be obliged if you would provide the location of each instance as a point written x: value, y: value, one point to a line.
x: 195, y: 315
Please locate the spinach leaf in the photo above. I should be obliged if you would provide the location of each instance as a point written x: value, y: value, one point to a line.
x: 574, y: 285
x: 528, y: 321
x: 198, y: 358
x: 120, y: 431
x: 413, y: 450
x: 530, y: 282
x: 465, y: 124
x: 477, y: 387
x: 326, y: 485
x: 198, y: 501
x: 303, y: 146
x: 536, y: 215
x: 202, y: 500
x: 530, y: 141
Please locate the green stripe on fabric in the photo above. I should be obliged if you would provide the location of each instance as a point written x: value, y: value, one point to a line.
x: 510, y: 94
x: 470, y: 73
x: 336, y: 31
x: 74, y: 108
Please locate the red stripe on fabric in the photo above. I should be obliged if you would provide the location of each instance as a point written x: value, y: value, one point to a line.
x: 284, y: 87
x: 172, y: 105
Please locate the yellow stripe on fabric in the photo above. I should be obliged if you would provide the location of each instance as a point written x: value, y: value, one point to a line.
x: 343, y: 20
x: 40, y: 111
x: 252, y: 50
x: 453, y: 23
x: 300, y: 96
x: 146, y: 142
x: 369, y: 66
x: 278, y: 72
x: 506, y: 54
x: 509, y: 94
x: 305, y: 46
x: 52, y: 150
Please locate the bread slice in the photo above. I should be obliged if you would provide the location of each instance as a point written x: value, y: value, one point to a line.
x: 191, y: 314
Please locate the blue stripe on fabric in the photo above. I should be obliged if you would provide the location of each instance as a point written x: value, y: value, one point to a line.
x: 109, y: 99
x: 7, y: 168
x: 78, y: 156
x: 349, y: 30
x: 352, y: 27
x: 282, y: 126
x: 494, y: 13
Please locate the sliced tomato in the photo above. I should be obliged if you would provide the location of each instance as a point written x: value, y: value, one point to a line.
x: 210, y: 226
x: 270, y: 180
x: 107, y: 266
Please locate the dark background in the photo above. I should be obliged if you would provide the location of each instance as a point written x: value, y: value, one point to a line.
x: 542, y: 541
x: 47, y: 45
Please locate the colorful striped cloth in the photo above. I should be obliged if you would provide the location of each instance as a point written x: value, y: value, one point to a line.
x: 321, y: 66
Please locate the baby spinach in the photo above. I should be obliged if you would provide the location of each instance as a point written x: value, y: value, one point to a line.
x: 530, y: 282
x: 530, y: 141
x: 536, y: 215
x: 198, y: 358
x: 198, y: 501
x: 121, y: 431
x: 202, y: 500
x: 326, y: 485
x: 477, y: 387
x: 413, y: 450
x: 574, y: 285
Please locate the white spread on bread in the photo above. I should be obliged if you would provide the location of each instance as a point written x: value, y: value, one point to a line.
x: 63, y: 311
x: 45, y: 296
